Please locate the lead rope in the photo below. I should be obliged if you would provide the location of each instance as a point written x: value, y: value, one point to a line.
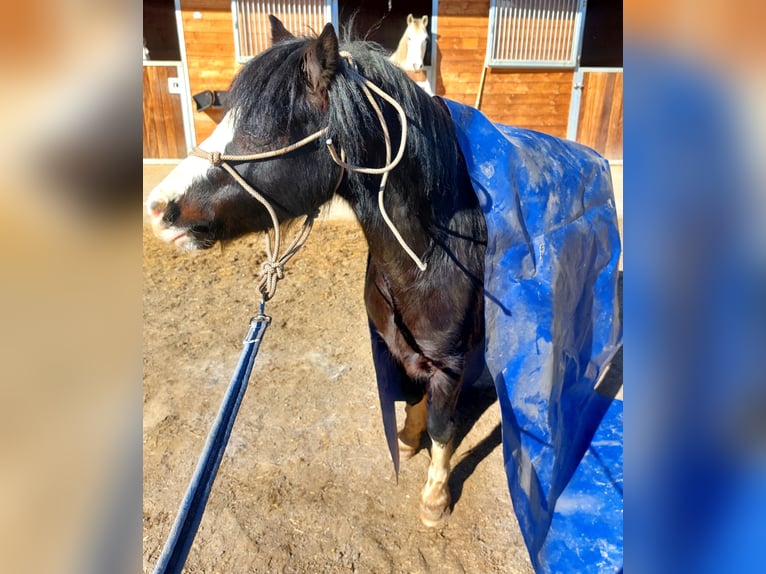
x: 272, y: 270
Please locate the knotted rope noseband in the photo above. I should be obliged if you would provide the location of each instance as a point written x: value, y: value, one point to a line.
x: 272, y: 269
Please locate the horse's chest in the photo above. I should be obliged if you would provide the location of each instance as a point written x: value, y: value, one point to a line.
x: 411, y: 330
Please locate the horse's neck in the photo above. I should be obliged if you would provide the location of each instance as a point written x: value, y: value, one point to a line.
x: 400, y: 55
x: 411, y: 224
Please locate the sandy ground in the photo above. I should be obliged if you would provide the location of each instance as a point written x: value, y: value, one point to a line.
x: 306, y: 484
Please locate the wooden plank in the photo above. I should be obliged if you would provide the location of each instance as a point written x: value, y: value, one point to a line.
x: 463, y: 8
x: 214, y: 7
x: 163, y: 126
x: 600, y: 123
x: 214, y: 36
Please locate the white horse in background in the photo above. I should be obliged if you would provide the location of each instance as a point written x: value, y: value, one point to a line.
x: 411, y: 50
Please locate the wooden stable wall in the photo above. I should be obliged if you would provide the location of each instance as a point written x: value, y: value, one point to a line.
x: 212, y: 62
x: 534, y: 99
x: 600, y: 123
x: 163, y: 119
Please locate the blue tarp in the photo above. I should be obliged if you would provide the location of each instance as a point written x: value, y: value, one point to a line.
x: 552, y: 323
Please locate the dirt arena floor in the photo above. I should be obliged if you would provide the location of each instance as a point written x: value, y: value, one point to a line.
x: 306, y: 485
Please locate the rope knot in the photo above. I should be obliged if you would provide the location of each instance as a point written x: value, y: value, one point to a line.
x: 215, y: 158
x: 273, y: 269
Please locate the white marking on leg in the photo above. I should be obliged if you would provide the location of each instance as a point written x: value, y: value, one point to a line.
x: 435, y: 498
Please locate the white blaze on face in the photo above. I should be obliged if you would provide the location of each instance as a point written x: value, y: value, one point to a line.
x: 181, y: 178
x: 416, y: 44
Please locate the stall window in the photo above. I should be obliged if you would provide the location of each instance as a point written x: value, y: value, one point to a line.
x: 252, y: 31
x: 535, y: 33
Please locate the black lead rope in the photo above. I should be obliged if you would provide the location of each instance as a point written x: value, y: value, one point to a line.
x: 192, y: 507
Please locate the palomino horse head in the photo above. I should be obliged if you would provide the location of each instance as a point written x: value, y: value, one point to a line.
x: 411, y: 51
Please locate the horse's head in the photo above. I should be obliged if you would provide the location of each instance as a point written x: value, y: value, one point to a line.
x: 416, y: 37
x: 278, y: 98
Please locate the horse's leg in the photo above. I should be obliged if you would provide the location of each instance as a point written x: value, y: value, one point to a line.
x: 435, y: 498
x: 414, y: 427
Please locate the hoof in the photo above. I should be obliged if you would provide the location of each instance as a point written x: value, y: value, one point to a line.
x: 434, y: 516
x: 435, y: 508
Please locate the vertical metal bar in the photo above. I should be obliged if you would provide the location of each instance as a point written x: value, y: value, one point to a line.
x: 506, y: 49
x: 559, y: 25
x: 245, y: 29
x: 255, y: 31
x: 533, y: 30
x: 252, y: 38
x: 579, y: 29
x: 494, y: 30
x: 565, y: 31
x: 497, y: 30
x: 539, y: 30
x: 519, y: 32
x: 314, y: 12
x: 547, y: 33
x: 285, y: 7
x: 516, y: 31
x: 574, y: 104
x: 507, y: 31
x: 528, y: 13
x: 301, y: 10
x: 334, y: 18
x: 570, y: 25
x: 491, y: 33
x: 237, y: 25
x: 543, y: 31
x: 186, y: 108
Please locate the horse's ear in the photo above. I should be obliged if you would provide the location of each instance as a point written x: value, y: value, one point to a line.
x: 425, y: 21
x: 410, y: 19
x: 278, y: 30
x: 320, y: 63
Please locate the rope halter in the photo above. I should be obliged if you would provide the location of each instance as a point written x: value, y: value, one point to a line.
x: 272, y: 270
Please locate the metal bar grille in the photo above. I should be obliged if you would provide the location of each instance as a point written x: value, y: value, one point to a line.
x: 540, y: 33
x: 252, y: 30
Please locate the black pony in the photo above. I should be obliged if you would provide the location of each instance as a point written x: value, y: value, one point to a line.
x: 430, y: 319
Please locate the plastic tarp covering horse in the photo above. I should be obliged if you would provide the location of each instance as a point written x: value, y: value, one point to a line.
x: 552, y: 325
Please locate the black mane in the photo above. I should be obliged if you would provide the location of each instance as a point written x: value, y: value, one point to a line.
x: 268, y: 97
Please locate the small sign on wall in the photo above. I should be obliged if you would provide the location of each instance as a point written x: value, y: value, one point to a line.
x: 174, y: 86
